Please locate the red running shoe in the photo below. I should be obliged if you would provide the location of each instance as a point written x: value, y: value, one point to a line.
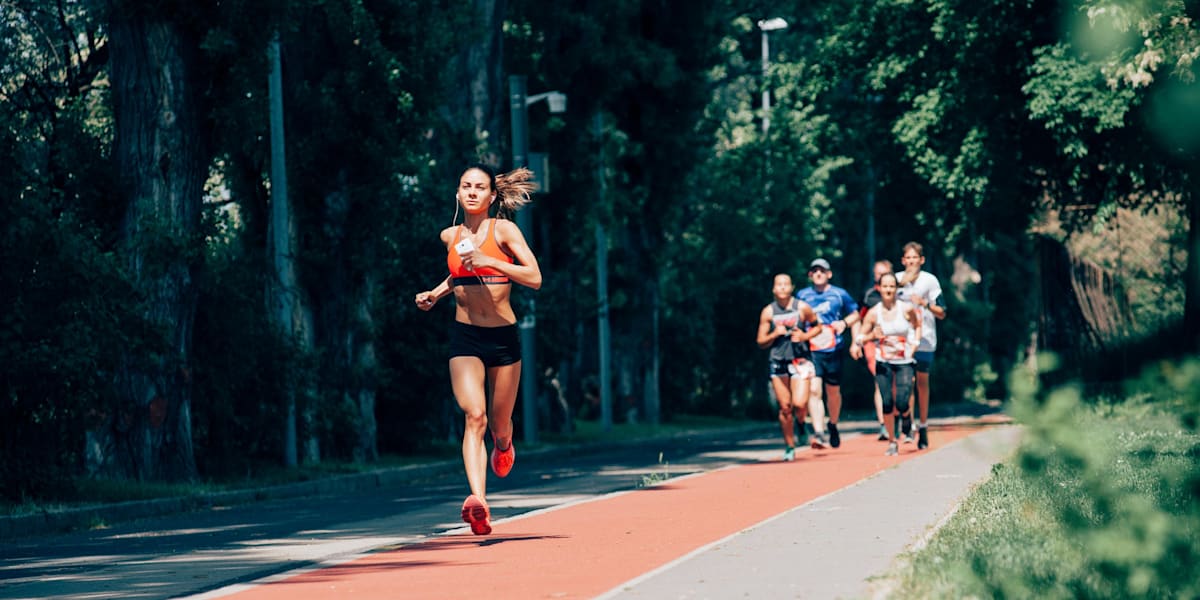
x: 502, y: 460
x: 475, y: 512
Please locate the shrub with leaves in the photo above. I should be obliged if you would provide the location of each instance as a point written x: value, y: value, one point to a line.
x: 1121, y: 480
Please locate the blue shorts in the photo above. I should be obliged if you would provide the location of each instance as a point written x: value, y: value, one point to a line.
x: 828, y: 366
x: 924, y: 361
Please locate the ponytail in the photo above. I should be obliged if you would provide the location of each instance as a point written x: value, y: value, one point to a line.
x: 513, y: 189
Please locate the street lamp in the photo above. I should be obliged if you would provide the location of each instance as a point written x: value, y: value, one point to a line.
x: 519, y: 113
x: 556, y: 100
x: 767, y: 25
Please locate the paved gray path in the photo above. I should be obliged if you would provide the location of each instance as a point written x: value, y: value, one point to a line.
x: 833, y: 546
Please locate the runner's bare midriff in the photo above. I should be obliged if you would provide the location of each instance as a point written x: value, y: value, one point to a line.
x: 492, y: 310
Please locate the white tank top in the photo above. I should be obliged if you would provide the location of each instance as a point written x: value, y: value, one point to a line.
x: 897, y: 333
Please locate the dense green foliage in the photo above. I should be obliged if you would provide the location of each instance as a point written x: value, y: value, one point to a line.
x: 1101, y: 501
x: 959, y: 124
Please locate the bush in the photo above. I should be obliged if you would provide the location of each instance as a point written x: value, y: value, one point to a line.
x: 1122, y: 483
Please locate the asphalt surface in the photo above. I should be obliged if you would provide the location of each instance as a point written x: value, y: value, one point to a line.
x: 206, y: 550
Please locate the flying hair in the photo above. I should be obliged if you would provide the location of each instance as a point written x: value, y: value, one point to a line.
x: 513, y: 189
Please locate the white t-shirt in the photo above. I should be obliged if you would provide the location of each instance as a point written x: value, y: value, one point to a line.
x: 928, y: 287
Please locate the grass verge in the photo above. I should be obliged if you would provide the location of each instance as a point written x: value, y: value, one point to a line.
x: 1101, y: 501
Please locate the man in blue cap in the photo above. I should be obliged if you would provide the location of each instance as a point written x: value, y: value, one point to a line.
x: 836, y: 311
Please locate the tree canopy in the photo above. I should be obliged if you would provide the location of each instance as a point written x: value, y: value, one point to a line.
x: 136, y: 228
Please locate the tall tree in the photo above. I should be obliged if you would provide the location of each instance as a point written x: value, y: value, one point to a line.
x: 952, y: 156
x: 362, y: 83
x: 160, y: 156
x: 642, y: 66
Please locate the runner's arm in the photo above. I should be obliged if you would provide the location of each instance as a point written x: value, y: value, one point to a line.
x: 868, y: 325
x: 525, y: 270
x: 426, y: 300
x: 915, y: 320
x: 806, y: 316
x: 767, y: 332
x: 938, y: 307
x: 850, y: 315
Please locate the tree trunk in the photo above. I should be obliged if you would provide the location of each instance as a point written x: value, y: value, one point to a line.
x: 486, y: 79
x: 348, y: 322
x: 288, y: 309
x: 651, y: 398
x: 477, y: 105
x: 159, y: 151
x: 360, y: 346
x: 1191, y: 296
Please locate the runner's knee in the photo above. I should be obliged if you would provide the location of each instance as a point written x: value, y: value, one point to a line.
x: 476, y: 419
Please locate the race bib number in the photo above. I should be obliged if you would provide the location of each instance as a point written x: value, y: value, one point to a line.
x: 892, y: 347
x: 826, y: 340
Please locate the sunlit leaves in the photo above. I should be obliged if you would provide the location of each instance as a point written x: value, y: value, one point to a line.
x: 1072, y: 99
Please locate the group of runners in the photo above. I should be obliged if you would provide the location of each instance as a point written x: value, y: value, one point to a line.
x: 805, y: 331
x: 808, y: 332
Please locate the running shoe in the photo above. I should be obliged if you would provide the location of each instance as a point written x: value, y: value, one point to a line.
x: 789, y: 454
x: 883, y: 432
x: 923, y: 441
x: 819, y: 441
x: 835, y: 440
x: 475, y: 512
x: 906, y: 430
x: 892, y: 450
x: 502, y: 460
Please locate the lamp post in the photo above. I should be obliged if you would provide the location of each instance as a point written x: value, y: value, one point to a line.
x: 768, y: 25
x: 519, y: 114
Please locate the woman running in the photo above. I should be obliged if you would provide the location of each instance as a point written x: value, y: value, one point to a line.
x: 895, y: 327
x: 485, y: 256
x: 783, y: 329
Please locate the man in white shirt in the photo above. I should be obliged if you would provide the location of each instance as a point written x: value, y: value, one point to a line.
x: 923, y: 290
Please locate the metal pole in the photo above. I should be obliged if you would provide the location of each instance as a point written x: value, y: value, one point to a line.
x: 871, y: 221
x: 281, y: 239
x: 766, y: 94
x: 606, y: 420
x: 528, y: 324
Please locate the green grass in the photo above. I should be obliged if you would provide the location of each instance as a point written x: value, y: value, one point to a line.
x: 1100, y: 502
x: 651, y: 479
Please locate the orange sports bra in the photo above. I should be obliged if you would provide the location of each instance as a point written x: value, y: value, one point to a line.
x: 460, y: 275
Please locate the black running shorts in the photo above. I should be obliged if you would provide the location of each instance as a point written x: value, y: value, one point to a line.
x: 495, y: 346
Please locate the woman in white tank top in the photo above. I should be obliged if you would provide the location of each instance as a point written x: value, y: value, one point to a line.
x: 895, y: 326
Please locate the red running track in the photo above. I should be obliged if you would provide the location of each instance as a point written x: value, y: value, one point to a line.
x: 586, y: 549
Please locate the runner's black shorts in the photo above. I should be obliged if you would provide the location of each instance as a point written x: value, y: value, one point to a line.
x: 495, y: 346
x: 829, y: 366
x: 778, y: 368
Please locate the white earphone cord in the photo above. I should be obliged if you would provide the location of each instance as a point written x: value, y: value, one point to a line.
x: 454, y: 222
